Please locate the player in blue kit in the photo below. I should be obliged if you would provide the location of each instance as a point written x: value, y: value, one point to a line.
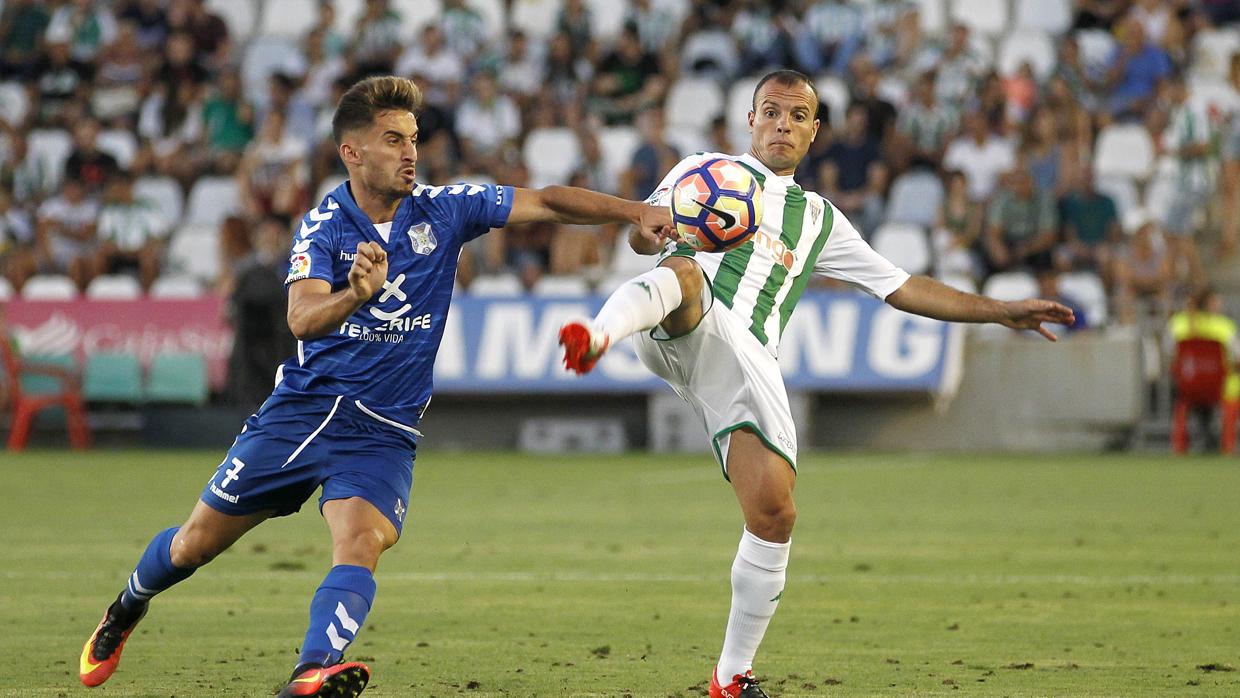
x: 369, y: 284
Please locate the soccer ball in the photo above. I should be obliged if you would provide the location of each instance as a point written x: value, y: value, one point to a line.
x: 716, y: 205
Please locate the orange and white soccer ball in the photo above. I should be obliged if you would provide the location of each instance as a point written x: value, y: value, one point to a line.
x: 716, y: 205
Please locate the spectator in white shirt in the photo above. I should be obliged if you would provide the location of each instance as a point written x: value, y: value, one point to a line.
x: 66, y: 242
x: 487, y: 123
x: 981, y: 155
x: 131, y: 232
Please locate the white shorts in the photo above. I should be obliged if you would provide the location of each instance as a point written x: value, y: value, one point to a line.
x: 729, y: 378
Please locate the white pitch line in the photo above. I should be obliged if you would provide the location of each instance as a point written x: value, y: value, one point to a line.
x: 614, y: 578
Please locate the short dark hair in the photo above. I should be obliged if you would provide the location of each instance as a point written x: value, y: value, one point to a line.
x: 362, y: 102
x: 786, y: 77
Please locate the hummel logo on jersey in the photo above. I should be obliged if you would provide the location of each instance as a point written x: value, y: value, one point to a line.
x: 727, y: 219
x: 645, y: 287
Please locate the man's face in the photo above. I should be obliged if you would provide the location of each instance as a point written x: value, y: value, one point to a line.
x: 385, y: 155
x: 783, y: 125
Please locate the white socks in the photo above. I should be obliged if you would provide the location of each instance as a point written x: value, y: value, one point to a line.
x: 640, y: 304
x: 757, y: 585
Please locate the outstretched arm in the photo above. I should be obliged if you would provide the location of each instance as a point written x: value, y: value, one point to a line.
x: 922, y: 295
x: 574, y: 205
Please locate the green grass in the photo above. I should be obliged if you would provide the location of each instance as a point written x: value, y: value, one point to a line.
x: 607, y: 576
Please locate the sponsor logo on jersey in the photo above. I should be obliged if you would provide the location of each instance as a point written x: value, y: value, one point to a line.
x: 422, y: 238
x: 776, y: 248
x: 298, y: 267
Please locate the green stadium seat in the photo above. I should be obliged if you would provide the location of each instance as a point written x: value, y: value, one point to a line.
x: 39, y: 384
x: 112, y: 377
x: 177, y: 378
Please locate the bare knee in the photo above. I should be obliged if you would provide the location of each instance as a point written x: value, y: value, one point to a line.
x: 688, y: 273
x: 192, y: 547
x: 774, y: 521
x: 361, y: 546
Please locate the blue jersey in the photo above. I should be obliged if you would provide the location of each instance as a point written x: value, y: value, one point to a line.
x: 382, y: 357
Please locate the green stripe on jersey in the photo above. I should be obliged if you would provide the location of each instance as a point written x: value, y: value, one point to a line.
x: 799, y: 284
x: 731, y: 269
x: 794, y: 218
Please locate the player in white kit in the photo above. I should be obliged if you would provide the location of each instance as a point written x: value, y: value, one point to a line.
x: 709, y: 324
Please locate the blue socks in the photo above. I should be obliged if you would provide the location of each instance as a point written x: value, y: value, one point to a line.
x: 337, y: 612
x: 155, y: 571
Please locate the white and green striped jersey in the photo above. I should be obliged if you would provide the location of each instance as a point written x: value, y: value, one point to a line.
x: 801, y: 233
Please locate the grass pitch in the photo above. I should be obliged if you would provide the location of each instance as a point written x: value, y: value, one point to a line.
x: 607, y: 576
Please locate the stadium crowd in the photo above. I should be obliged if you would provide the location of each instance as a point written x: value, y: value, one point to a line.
x: 1076, y: 149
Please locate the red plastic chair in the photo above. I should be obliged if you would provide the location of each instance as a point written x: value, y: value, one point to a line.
x: 26, y: 406
x: 1200, y: 373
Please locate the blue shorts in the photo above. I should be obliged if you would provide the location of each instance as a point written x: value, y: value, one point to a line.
x: 295, y: 444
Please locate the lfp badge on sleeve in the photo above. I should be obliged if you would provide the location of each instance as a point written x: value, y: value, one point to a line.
x: 422, y: 238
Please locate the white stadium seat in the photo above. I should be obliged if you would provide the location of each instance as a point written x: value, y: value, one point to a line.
x: 329, y: 183
x: 982, y: 16
x: 1051, y: 16
x: 1027, y: 45
x: 114, y: 287
x: 693, y: 103
x: 195, y: 251
x: 1122, y: 191
x: 607, y: 18
x: 1124, y: 150
x: 835, y: 94
x: 960, y: 282
x: 905, y: 244
x: 6, y: 290
x: 212, y: 200
x: 240, y: 17
x: 551, y: 154
x: 692, y: 141
x: 496, y: 286
x: 52, y: 147
x: 121, y: 144
x: 1096, y: 47
x: 165, y: 193
x: 557, y: 286
x: 739, y: 102
x: 176, y: 286
x: 1086, y: 288
x: 14, y: 103
x: 1011, y: 286
x: 288, y: 18
x: 49, y: 287
x: 265, y: 55
x: 932, y: 16
x: 618, y: 144
x: 537, y: 18
x: 915, y: 198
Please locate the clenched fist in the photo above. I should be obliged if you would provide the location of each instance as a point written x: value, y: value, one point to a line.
x: 369, y: 270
